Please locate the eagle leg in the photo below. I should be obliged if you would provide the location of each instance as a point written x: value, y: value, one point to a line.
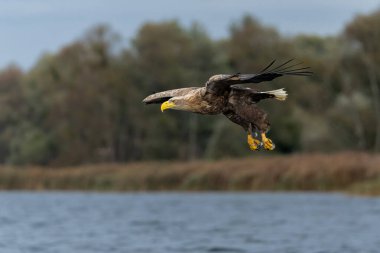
x: 268, y: 144
x: 253, y: 142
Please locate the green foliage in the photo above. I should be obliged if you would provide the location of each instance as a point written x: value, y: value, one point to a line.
x: 10, y: 108
x: 83, y: 103
x: 31, y: 146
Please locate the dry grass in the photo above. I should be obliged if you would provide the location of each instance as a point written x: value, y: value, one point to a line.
x: 356, y: 172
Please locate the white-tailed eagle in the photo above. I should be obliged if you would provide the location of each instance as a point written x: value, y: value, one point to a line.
x: 222, y: 94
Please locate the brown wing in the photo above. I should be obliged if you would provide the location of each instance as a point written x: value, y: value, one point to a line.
x: 163, y: 96
x: 218, y: 84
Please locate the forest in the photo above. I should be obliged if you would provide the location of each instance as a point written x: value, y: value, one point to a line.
x: 82, y: 104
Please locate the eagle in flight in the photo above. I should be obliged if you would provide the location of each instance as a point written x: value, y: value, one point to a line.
x: 223, y: 93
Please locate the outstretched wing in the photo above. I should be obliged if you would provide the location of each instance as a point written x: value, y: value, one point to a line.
x: 218, y: 84
x: 163, y: 96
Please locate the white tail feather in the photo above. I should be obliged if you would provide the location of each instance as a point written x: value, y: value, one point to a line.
x: 279, y: 94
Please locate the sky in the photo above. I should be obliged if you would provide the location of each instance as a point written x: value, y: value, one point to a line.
x: 30, y: 28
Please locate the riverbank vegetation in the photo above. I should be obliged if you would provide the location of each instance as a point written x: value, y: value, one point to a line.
x: 357, y: 173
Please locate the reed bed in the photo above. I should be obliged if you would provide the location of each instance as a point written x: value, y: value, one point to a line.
x: 349, y: 171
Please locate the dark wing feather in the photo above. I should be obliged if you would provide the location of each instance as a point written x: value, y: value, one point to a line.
x: 163, y: 96
x: 257, y: 96
x: 220, y: 83
x: 254, y: 95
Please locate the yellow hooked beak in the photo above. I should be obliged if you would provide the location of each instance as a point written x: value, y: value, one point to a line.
x: 167, y: 105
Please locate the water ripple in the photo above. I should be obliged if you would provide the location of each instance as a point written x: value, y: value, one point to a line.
x: 193, y: 223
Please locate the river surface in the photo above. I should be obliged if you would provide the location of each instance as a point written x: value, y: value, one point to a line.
x: 188, y: 222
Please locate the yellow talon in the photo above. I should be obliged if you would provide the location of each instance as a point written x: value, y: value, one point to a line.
x: 253, y: 143
x: 268, y: 144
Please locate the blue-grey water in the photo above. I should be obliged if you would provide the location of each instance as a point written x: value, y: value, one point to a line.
x: 188, y: 222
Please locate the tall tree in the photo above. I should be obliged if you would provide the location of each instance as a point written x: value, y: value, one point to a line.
x: 364, y: 34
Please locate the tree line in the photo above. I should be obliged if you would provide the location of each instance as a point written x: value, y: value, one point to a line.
x: 82, y: 104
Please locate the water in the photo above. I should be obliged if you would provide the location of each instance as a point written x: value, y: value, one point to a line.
x: 183, y: 222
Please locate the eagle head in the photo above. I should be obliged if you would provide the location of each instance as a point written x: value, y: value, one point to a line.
x: 176, y: 103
